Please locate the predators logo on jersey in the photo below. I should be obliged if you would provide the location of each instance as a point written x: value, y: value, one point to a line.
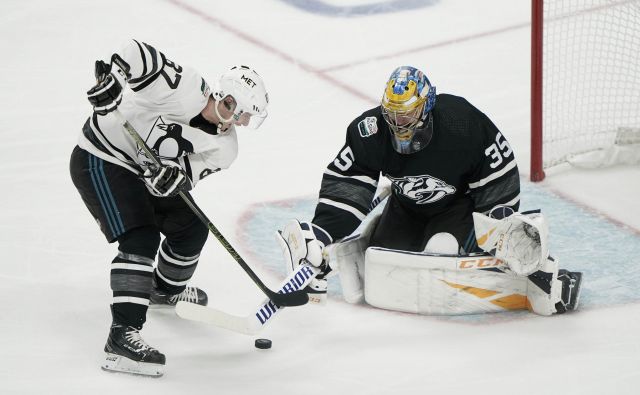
x: 423, y: 189
x: 368, y: 126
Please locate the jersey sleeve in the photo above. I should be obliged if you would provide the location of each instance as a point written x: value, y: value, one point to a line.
x: 140, y: 62
x: 348, y: 185
x: 160, y: 83
x: 495, y: 180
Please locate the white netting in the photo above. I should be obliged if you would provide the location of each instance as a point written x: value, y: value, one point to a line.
x: 591, y: 74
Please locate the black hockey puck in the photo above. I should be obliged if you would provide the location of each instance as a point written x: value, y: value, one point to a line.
x: 263, y: 344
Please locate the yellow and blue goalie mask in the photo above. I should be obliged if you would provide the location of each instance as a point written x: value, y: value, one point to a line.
x: 406, y: 107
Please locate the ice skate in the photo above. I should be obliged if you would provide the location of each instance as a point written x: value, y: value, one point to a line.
x: 127, y: 352
x: 570, y: 297
x: 161, y: 299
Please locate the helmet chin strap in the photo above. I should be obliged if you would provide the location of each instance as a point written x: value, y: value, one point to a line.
x: 221, y: 128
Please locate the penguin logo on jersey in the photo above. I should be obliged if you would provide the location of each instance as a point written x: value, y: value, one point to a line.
x: 166, y: 140
x: 423, y: 189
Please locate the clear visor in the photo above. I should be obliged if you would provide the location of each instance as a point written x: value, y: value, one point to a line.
x: 230, y: 112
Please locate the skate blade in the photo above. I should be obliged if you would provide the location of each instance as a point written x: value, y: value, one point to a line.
x: 118, y: 363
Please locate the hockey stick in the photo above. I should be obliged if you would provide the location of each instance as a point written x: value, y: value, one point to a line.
x: 384, y: 193
x: 266, y: 311
x: 253, y: 323
x: 284, y: 298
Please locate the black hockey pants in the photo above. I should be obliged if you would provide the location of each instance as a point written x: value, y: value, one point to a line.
x: 126, y: 212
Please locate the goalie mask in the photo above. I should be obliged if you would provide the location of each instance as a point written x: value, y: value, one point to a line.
x: 406, y: 107
x: 241, y: 91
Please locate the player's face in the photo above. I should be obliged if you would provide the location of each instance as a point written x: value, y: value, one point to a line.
x: 227, y: 107
x: 407, y: 118
x: 403, y: 123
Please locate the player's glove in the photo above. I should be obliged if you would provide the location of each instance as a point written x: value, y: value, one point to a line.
x: 303, y: 243
x: 519, y: 239
x: 106, y: 95
x: 166, y: 180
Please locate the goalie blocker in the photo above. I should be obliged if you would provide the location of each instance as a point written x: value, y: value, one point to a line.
x: 449, y: 284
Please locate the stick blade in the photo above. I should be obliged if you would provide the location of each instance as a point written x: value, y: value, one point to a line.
x: 196, y: 312
x: 291, y: 299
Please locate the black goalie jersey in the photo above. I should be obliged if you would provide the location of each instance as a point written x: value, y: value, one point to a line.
x: 467, y: 158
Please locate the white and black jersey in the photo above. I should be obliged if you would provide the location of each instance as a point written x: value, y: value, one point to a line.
x: 467, y: 158
x: 163, y: 103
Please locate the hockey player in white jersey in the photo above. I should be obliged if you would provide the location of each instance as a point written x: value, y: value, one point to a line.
x: 191, y: 127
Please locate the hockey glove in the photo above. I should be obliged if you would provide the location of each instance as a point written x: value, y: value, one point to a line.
x: 106, y: 95
x: 166, y: 180
x: 519, y: 239
x: 303, y: 243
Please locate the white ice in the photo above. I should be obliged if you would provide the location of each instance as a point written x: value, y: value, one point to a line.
x: 321, y: 70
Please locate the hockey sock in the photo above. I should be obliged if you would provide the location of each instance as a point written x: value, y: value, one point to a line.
x: 174, y: 270
x: 131, y: 278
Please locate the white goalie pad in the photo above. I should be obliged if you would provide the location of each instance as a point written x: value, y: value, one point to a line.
x: 542, y: 301
x: 439, y: 284
x: 433, y: 284
x: 520, y: 240
x: 347, y: 257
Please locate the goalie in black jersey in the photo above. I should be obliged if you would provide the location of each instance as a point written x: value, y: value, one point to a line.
x: 191, y: 128
x: 449, y: 167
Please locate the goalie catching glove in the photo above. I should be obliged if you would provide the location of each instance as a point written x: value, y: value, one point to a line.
x: 519, y: 239
x: 303, y: 243
x: 166, y: 180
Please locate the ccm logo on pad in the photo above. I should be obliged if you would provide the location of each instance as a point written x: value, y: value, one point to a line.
x: 480, y: 263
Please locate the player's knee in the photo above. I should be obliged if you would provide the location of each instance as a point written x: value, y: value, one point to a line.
x: 190, y: 241
x: 442, y: 243
x: 142, y: 241
x: 500, y: 212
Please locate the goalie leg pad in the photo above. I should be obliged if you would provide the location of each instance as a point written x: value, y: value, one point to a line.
x: 347, y: 257
x: 437, y: 284
x: 544, y: 290
x: 442, y: 243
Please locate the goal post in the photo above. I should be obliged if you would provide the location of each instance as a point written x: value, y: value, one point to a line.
x: 585, y: 83
x: 537, y: 171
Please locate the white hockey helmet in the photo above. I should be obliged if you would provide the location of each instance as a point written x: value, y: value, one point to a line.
x: 248, y: 91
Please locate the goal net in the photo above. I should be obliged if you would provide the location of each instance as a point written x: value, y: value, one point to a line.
x: 585, y: 83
